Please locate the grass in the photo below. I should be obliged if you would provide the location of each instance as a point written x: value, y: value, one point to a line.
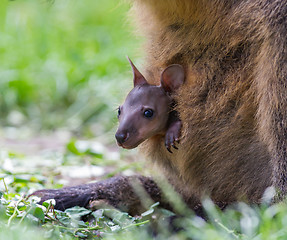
x: 22, y: 218
x: 64, y: 69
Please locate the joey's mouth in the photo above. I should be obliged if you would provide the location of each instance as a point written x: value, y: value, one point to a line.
x: 130, y: 143
x: 129, y: 147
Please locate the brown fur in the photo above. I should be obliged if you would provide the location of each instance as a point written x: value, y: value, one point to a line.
x: 233, y: 105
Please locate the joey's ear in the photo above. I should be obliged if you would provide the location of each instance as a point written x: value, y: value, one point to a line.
x: 172, y: 77
x: 138, y: 77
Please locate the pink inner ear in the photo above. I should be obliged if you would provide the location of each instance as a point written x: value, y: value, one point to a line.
x: 138, y: 77
x: 172, y: 77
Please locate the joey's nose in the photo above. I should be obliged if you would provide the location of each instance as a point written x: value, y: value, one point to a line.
x: 121, y: 137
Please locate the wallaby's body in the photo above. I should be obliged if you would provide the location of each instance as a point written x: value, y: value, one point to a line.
x: 233, y: 105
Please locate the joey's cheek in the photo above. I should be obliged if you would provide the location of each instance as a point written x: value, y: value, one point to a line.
x: 148, y: 131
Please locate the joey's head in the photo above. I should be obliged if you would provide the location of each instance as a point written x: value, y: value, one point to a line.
x: 145, y: 112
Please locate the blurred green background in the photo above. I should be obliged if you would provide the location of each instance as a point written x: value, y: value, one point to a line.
x: 63, y: 64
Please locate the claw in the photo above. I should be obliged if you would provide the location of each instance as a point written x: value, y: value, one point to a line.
x: 175, y: 147
x: 168, y: 149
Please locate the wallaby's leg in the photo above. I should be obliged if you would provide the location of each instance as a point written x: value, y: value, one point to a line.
x: 125, y: 193
x: 130, y: 194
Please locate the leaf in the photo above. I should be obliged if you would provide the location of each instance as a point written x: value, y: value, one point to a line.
x: 82, y: 224
x: 118, y: 217
x: 49, y: 202
x: 31, y: 218
x: 81, y: 235
x: 98, y: 214
x: 71, y: 146
x: 151, y: 210
x: 38, y: 213
x: 77, y: 212
x: 115, y: 228
x: 64, y: 220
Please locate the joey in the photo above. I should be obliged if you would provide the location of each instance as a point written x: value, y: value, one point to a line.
x: 148, y: 110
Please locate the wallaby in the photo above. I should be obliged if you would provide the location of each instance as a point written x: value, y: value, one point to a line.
x: 147, y: 110
x: 233, y: 106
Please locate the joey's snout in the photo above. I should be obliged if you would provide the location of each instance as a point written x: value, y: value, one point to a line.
x: 121, y: 137
x: 126, y: 139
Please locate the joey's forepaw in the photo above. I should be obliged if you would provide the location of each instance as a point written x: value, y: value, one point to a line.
x: 172, y: 136
x: 170, y: 142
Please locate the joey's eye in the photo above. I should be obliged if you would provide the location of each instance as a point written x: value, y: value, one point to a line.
x: 119, y: 111
x: 148, y: 113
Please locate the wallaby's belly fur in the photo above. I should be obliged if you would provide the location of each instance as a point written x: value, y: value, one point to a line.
x: 235, y: 59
